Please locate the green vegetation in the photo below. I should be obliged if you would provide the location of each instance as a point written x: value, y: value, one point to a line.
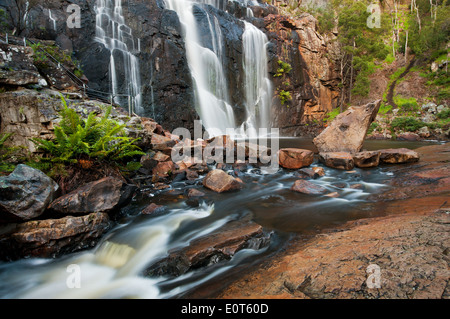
x: 384, y: 108
x: 284, y: 96
x: 5, y: 154
x: 283, y: 69
x: 331, y: 115
x: 77, y: 139
x: 406, y: 105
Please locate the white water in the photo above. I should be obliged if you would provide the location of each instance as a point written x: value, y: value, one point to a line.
x: 52, y: 19
x: 113, y: 269
x: 258, y: 87
x: 117, y: 37
x: 206, y: 66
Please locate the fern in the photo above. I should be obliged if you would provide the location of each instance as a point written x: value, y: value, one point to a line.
x: 102, y: 139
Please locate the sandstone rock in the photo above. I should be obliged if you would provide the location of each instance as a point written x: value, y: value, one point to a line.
x: 212, y: 248
x: 150, y: 209
x: 399, y: 155
x: 164, y: 169
x: 104, y: 195
x: 319, y: 171
x: 195, y: 193
x: 306, y: 173
x: 53, y: 237
x: 367, y: 159
x: 306, y: 187
x: 339, y: 160
x: 347, y: 131
x: 25, y: 193
x: 408, y: 136
x: 294, y: 158
x: 161, y: 143
x: 219, y: 181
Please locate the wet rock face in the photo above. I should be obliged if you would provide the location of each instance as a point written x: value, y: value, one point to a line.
x: 106, y: 194
x: 16, y: 66
x: 400, y: 155
x: 348, y: 130
x: 306, y: 187
x: 53, y: 237
x: 222, y: 244
x: 25, y: 194
x: 339, y: 160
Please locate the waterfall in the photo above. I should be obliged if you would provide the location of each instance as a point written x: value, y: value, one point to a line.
x: 258, y: 87
x: 52, y: 19
x: 206, y: 70
x: 117, y: 37
x: 206, y: 66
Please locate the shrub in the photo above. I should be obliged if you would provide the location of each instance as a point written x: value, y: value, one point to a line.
x: 5, y: 154
x: 284, y: 68
x: 284, y: 96
x: 101, y: 139
x: 407, y: 124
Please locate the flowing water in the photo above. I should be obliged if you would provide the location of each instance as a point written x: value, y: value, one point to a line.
x: 117, y: 37
x: 114, y: 268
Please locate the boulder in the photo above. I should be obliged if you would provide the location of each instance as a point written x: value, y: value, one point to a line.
x: 295, y: 158
x: 408, y: 136
x: 347, y: 131
x: 398, y: 156
x: 25, y: 194
x: 367, y: 159
x: 339, y: 160
x: 219, y: 245
x: 306, y: 173
x: 319, y: 171
x: 164, y: 169
x: 306, y: 187
x: 150, y: 209
x: 104, y: 195
x: 161, y: 143
x: 195, y: 193
x: 53, y: 237
x: 16, y: 66
x: 219, y: 181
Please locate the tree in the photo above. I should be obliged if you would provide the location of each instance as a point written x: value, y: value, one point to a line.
x: 18, y: 11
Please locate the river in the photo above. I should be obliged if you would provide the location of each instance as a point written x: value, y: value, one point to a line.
x: 113, y: 269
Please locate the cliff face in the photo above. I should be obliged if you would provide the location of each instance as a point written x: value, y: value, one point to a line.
x: 166, y: 85
x: 313, y: 80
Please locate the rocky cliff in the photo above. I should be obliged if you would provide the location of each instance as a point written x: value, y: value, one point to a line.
x: 166, y: 84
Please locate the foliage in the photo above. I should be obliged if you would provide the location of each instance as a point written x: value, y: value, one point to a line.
x: 284, y: 68
x: 407, y: 124
x: 445, y: 114
x: 5, y: 154
x: 96, y: 138
x: 384, y: 108
x: 373, y: 126
x: 406, y: 104
x: 331, y: 115
x: 284, y: 96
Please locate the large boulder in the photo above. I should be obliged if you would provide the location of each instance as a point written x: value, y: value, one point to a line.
x: 219, y: 181
x: 347, y: 131
x: 104, y: 195
x: 398, y: 155
x: 53, y: 237
x: 295, y: 158
x: 25, y: 194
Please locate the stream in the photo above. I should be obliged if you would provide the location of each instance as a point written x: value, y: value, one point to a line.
x: 113, y: 269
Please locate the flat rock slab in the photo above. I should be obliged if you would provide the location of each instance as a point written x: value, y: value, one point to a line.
x: 347, y: 131
x: 219, y: 245
x: 398, y: 156
x: 339, y: 160
x: 25, y: 194
x: 295, y: 158
x: 53, y: 237
x: 306, y: 187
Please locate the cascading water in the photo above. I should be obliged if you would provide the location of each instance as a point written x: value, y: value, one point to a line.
x: 258, y: 87
x: 206, y: 67
x: 117, y: 37
x: 207, y: 72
